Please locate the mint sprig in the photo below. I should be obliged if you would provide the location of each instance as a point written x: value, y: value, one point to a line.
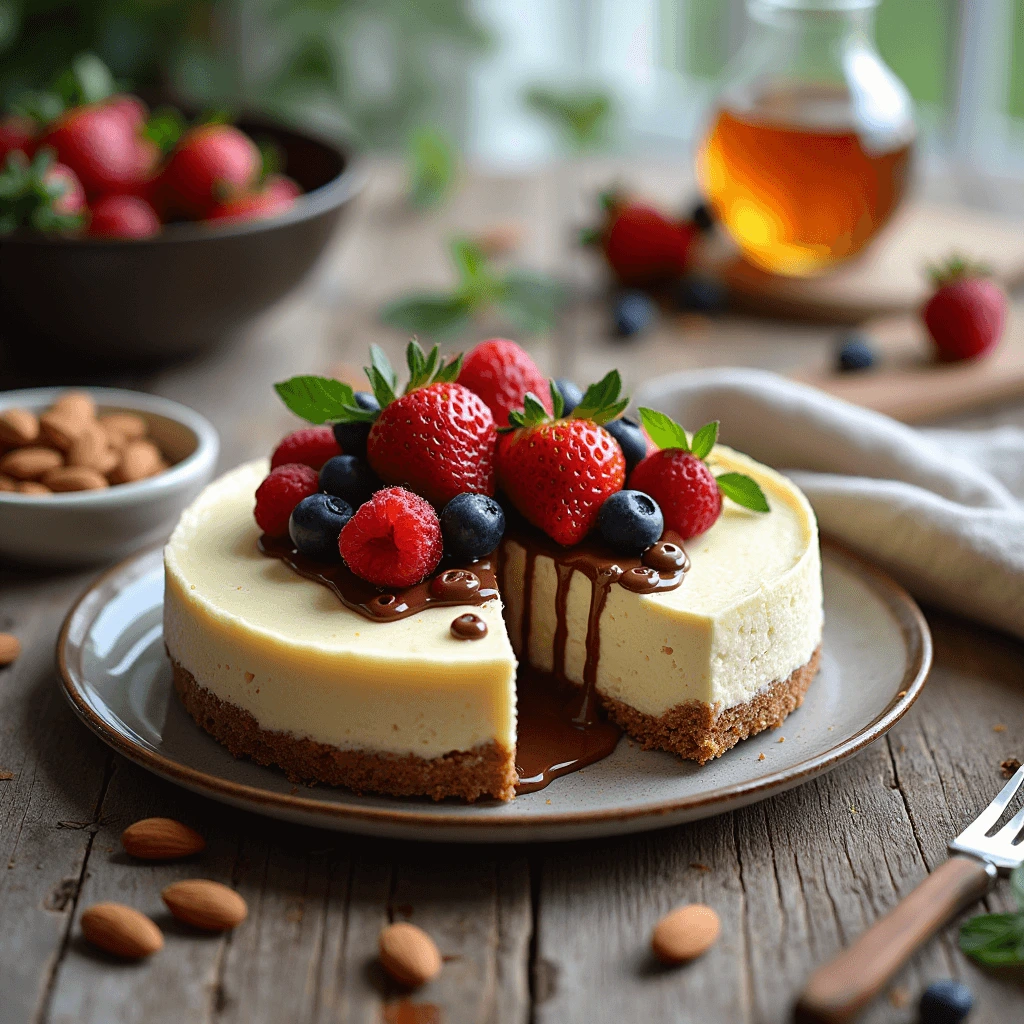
x: 666, y: 433
x: 997, y: 940
x: 432, y: 168
x: 600, y: 403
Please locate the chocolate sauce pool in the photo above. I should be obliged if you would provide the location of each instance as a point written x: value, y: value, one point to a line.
x: 561, y: 727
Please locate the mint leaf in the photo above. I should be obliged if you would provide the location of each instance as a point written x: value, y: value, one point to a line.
x: 317, y: 399
x: 582, y: 117
x: 471, y: 263
x: 530, y: 301
x: 743, y: 490
x: 432, y: 315
x: 995, y: 940
x: 432, y: 167
x: 663, y: 430
x: 704, y: 440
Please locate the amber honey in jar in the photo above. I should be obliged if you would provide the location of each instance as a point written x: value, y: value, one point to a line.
x: 809, y: 149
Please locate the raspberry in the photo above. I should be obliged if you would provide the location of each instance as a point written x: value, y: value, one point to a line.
x: 311, y: 446
x: 683, y: 486
x: 501, y: 373
x: 279, y: 493
x: 393, y: 540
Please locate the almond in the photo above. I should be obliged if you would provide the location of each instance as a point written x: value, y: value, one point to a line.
x: 18, y: 427
x: 34, y: 487
x: 409, y: 954
x: 92, y: 450
x: 161, y: 839
x: 30, y: 463
x: 74, y: 478
x: 685, y: 933
x: 121, y: 930
x: 8, y: 483
x: 76, y: 404
x: 205, y: 904
x: 62, y: 430
x: 125, y: 425
x: 10, y: 648
x: 139, y: 460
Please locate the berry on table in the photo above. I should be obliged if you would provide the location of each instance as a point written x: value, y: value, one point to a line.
x: 855, y: 352
x: 570, y: 392
x: 310, y: 446
x: 349, y: 478
x: 643, y: 246
x: 633, y: 312
x: 278, y: 495
x: 967, y: 313
x: 945, y: 1002
x: 472, y: 526
x: 501, y: 373
x: 631, y: 440
x: 679, y: 479
x: 352, y: 436
x: 315, y: 525
x: 393, y: 540
x: 701, y: 294
x: 630, y: 522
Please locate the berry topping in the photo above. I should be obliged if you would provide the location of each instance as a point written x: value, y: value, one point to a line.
x: 571, y: 394
x: 946, y: 1002
x: 631, y: 440
x: 352, y: 436
x: 472, y: 526
x: 630, y: 522
x: 315, y: 524
x: 681, y: 482
x: 855, y: 352
x: 311, y: 446
x: 633, y: 313
x: 349, y: 478
x: 558, y: 472
x: 967, y: 313
x: 393, y: 540
x: 278, y: 495
x: 501, y: 373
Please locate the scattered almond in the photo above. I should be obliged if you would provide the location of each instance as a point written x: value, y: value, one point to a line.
x: 124, y: 425
x: 74, y: 478
x: 34, y: 486
x: 8, y: 483
x: 93, y: 451
x: 409, y: 954
x: 62, y: 429
x: 10, y: 648
x: 685, y: 933
x: 121, y: 930
x: 76, y: 404
x: 205, y: 904
x: 18, y: 427
x: 161, y: 839
x: 139, y: 460
x: 30, y: 463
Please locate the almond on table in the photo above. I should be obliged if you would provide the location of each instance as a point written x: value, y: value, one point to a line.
x: 161, y: 839
x: 10, y: 648
x: 121, y: 930
x: 685, y: 933
x: 409, y: 954
x: 205, y: 904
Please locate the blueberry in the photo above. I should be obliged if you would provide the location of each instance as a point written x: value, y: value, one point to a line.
x: 633, y: 312
x: 630, y: 521
x: 631, y: 440
x: 571, y: 394
x: 855, y: 352
x: 700, y: 293
x: 351, y: 437
x: 349, y: 478
x: 472, y: 526
x: 946, y: 1002
x: 314, y: 526
x: 703, y: 217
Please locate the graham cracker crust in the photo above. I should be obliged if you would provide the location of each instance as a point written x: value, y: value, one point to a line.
x: 484, y: 771
x: 700, y: 732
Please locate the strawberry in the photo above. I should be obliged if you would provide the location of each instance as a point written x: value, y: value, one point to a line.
x: 679, y: 479
x: 966, y: 314
x: 123, y: 217
x: 17, y: 134
x: 274, y: 198
x: 40, y: 194
x: 71, y: 201
x: 501, y: 373
x: 643, y: 246
x: 210, y: 165
x: 559, y: 471
x: 99, y: 145
x: 131, y: 109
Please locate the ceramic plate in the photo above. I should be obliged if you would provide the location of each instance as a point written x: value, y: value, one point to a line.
x: 876, y: 655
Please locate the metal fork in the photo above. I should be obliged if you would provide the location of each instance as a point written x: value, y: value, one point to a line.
x: 839, y: 990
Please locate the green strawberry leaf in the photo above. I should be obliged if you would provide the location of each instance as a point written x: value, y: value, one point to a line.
x: 449, y: 373
x: 995, y: 940
x: 601, y: 401
x: 164, y: 127
x: 557, y: 401
x: 382, y: 365
x: 532, y: 414
x: 530, y: 301
x: 432, y: 168
x: 432, y: 315
x: 704, y: 440
x: 663, y: 430
x: 88, y: 80
x: 743, y: 490
x: 321, y: 400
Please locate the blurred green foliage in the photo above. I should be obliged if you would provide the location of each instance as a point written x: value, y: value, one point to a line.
x: 582, y: 118
x: 372, y: 69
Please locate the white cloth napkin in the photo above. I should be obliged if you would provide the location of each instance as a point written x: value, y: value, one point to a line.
x: 941, y: 510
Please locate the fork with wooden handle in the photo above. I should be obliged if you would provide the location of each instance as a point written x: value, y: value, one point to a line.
x: 839, y: 990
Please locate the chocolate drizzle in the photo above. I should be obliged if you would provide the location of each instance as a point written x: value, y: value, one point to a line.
x: 468, y: 627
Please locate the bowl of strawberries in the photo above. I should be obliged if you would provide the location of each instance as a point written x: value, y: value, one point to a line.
x: 131, y: 234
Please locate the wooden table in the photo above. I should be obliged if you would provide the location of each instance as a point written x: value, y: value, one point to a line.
x: 549, y: 934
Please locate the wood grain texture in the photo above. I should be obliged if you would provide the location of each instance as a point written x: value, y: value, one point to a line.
x: 549, y: 934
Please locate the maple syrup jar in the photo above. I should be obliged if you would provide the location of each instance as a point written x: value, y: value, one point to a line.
x: 809, y: 148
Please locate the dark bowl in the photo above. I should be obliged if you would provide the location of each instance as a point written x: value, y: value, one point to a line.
x: 184, y: 290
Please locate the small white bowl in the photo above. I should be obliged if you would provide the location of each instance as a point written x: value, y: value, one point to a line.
x: 88, y: 527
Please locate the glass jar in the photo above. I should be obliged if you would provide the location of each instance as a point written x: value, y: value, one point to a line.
x: 809, y: 148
